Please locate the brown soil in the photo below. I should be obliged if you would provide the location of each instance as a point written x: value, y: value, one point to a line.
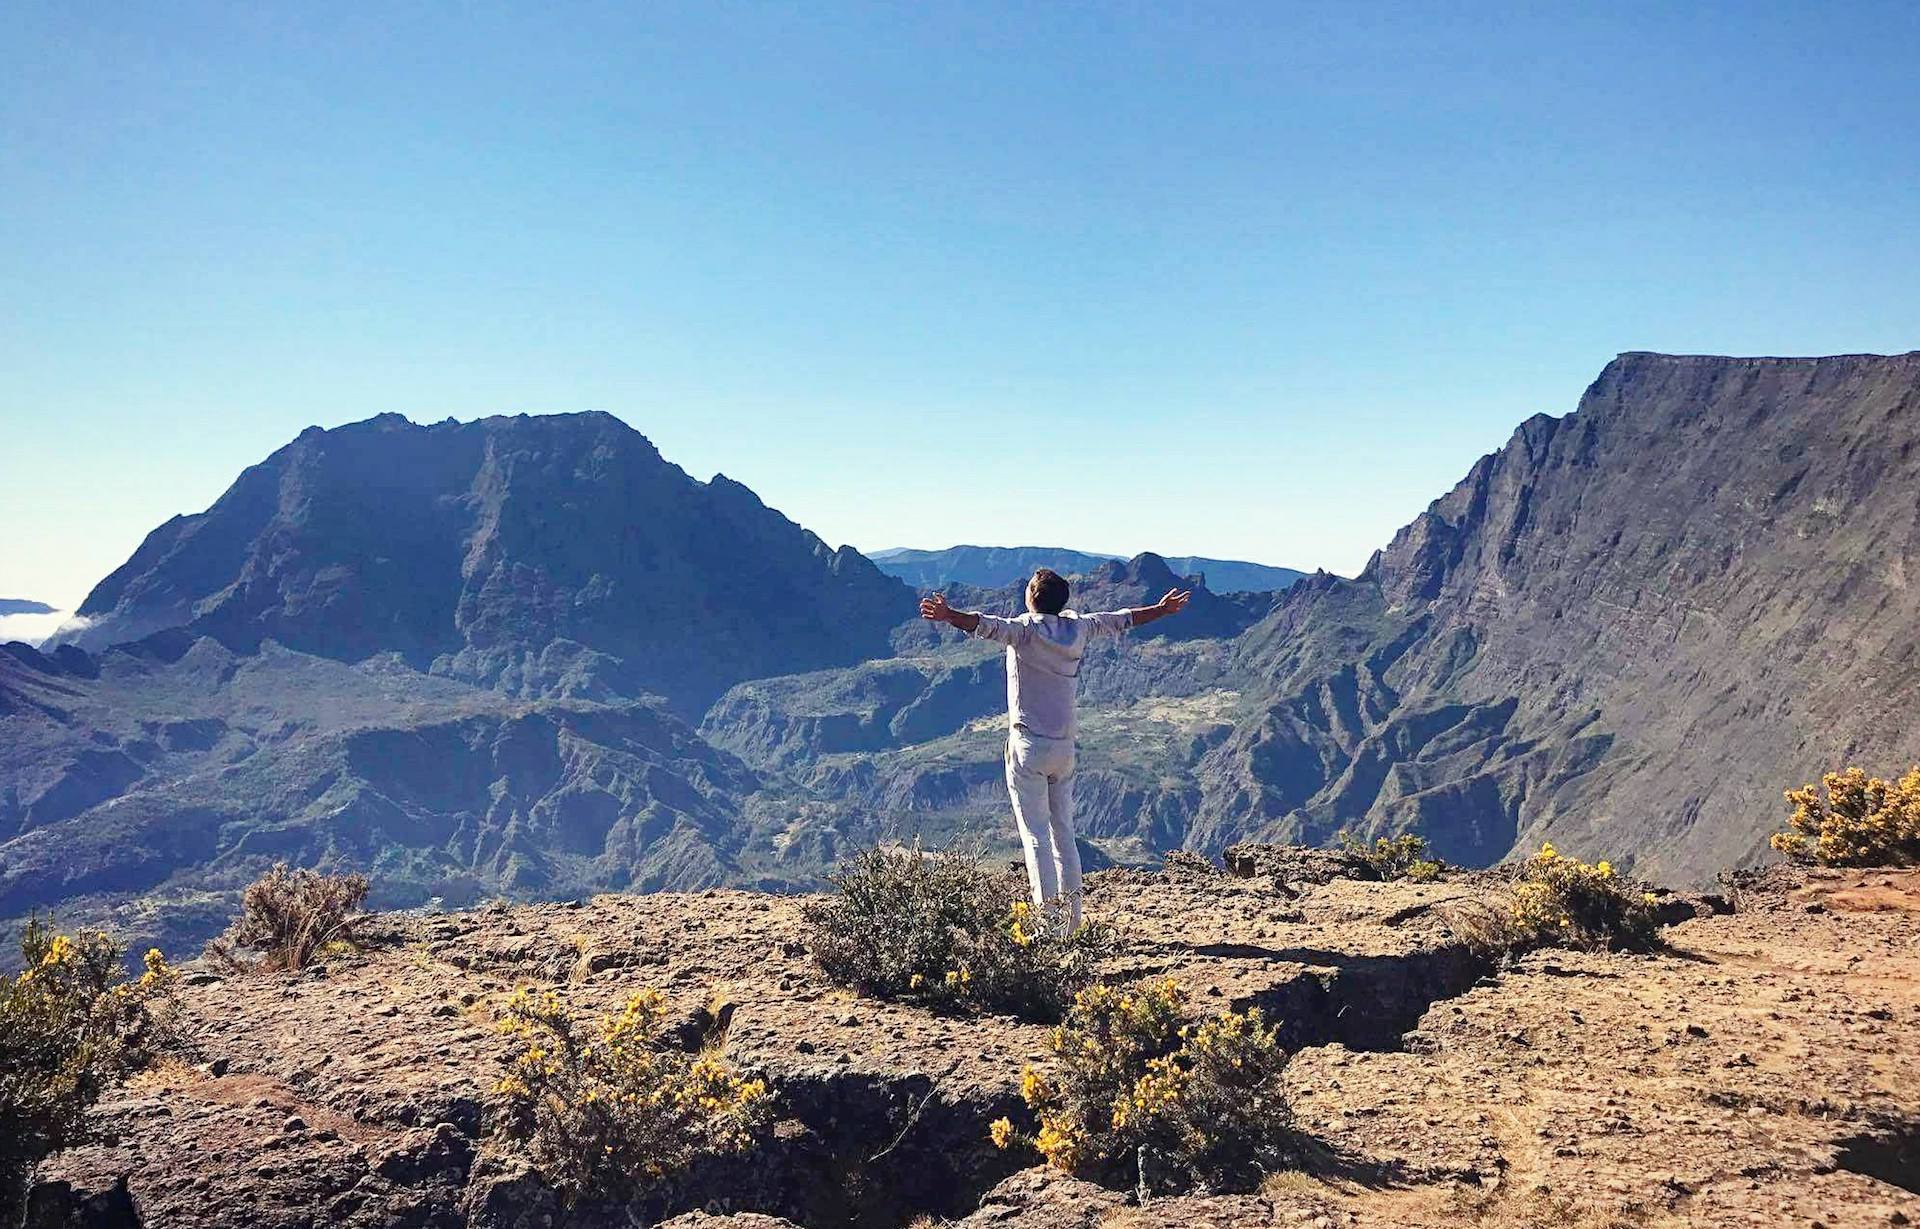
x: 1758, y: 1072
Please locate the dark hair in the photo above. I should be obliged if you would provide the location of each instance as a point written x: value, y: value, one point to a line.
x: 1047, y: 591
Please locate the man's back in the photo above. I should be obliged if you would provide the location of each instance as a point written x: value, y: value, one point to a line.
x: 1044, y: 652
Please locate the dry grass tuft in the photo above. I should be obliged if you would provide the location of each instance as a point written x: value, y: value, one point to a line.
x: 287, y: 916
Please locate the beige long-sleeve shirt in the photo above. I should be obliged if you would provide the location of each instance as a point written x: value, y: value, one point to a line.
x: 1043, y: 663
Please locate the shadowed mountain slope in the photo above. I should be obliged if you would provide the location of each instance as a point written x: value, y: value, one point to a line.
x: 555, y: 555
x: 1625, y: 631
x: 176, y: 767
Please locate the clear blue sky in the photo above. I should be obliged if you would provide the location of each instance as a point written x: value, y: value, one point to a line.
x: 1246, y: 280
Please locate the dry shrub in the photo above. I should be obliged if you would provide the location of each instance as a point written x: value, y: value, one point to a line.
x: 1398, y: 857
x: 1556, y: 901
x: 1141, y: 1098
x: 70, y: 1025
x: 1851, y: 819
x: 607, y: 1110
x: 939, y: 929
x: 289, y: 915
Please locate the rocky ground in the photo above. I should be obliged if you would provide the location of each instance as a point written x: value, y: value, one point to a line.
x: 1758, y: 1072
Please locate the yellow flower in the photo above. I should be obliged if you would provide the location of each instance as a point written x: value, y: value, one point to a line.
x: 916, y: 981
x: 1059, y: 1147
x: 1605, y: 868
x: 1001, y: 1132
x: 1032, y: 1087
x: 159, y: 973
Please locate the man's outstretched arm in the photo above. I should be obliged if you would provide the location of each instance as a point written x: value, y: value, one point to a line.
x: 1173, y: 603
x: 1117, y: 623
x: 936, y: 608
x: 985, y: 626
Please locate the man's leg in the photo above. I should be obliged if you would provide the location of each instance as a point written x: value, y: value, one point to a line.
x: 1027, y: 786
x: 1065, y: 851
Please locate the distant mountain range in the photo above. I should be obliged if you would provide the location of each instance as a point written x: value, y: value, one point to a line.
x: 20, y: 606
x: 991, y: 566
x: 529, y: 656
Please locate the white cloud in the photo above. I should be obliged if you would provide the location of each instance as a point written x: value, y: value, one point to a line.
x: 33, y: 628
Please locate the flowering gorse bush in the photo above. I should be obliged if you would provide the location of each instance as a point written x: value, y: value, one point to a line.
x: 1860, y: 821
x: 1562, y: 901
x: 940, y: 929
x: 288, y: 915
x: 70, y: 1025
x: 1138, y: 1095
x: 1398, y: 857
x: 606, y: 1110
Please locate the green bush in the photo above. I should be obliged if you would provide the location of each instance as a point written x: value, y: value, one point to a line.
x: 1398, y: 857
x: 70, y: 1025
x: 1139, y: 1097
x: 289, y: 915
x: 607, y: 1110
x: 939, y: 929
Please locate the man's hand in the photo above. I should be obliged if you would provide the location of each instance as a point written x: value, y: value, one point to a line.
x: 936, y: 608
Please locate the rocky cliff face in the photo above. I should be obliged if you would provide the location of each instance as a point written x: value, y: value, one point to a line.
x: 1625, y: 631
x: 556, y: 555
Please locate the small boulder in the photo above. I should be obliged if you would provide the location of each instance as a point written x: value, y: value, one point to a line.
x: 423, y: 1154
x: 508, y: 1194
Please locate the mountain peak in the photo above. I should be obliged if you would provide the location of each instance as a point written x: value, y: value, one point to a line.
x: 533, y: 552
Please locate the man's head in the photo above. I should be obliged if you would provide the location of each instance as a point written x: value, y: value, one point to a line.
x: 1047, y: 592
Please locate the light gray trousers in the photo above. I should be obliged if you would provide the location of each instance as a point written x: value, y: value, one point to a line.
x: 1040, y: 780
